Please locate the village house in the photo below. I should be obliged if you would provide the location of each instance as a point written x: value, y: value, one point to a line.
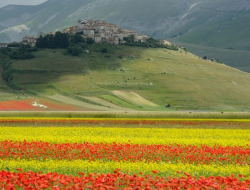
x: 3, y: 45
x: 141, y: 38
x: 52, y: 33
x: 165, y: 42
x: 98, y: 38
x: 29, y: 40
x: 70, y: 30
x: 41, y: 34
x: 89, y: 32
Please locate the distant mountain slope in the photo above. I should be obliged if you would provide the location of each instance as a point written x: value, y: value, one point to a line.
x: 232, y: 33
x: 133, y: 78
x: 217, y: 23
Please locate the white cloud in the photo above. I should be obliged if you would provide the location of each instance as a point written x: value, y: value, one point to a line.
x: 20, y: 2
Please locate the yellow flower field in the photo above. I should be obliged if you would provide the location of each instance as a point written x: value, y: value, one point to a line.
x: 165, y: 169
x: 228, y: 137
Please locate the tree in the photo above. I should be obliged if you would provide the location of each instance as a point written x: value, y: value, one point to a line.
x: 75, y: 50
x: 40, y: 42
x: 129, y: 39
x: 90, y: 41
x: 50, y: 42
x: 77, y: 38
x: 58, y: 43
x: 152, y: 41
x: 46, y: 41
x: 59, y: 40
x: 23, y: 52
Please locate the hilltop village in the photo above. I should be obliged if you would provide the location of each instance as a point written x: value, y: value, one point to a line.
x: 98, y: 30
x: 101, y: 31
x: 76, y: 38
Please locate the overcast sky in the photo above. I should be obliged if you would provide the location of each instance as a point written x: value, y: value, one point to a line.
x: 20, y: 2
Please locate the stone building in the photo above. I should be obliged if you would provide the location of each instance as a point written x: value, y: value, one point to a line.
x: 3, y: 45
x: 70, y: 30
x: 30, y: 40
x: 141, y: 38
x: 98, y: 38
x: 165, y: 42
x: 89, y: 32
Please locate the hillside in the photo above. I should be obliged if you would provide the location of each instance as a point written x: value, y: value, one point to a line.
x: 217, y: 23
x: 238, y: 59
x: 131, y: 78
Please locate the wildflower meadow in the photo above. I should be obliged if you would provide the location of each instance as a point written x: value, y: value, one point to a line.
x: 90, y: 153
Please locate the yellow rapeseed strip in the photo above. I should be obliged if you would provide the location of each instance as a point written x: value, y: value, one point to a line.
x: 165, y: 169
x: 224, y: 137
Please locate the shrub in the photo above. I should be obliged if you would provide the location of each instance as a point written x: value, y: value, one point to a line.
x: 75, y: 50
x: 104, y: 50
x: 90, y: 41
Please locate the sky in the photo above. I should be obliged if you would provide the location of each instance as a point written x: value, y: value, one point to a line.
x: 20, y: 2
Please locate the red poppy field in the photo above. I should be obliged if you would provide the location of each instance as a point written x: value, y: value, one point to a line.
x: 130, y: 156
x: 116, y: 180
x: 41, y: 105
x: 175, y: 153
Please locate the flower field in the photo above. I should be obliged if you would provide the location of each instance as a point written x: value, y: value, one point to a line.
x: 124, y: 156
x: 28, y: 105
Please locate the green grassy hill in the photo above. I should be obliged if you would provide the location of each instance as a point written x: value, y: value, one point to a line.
x: 5, y: 92
x: 133, y: 78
